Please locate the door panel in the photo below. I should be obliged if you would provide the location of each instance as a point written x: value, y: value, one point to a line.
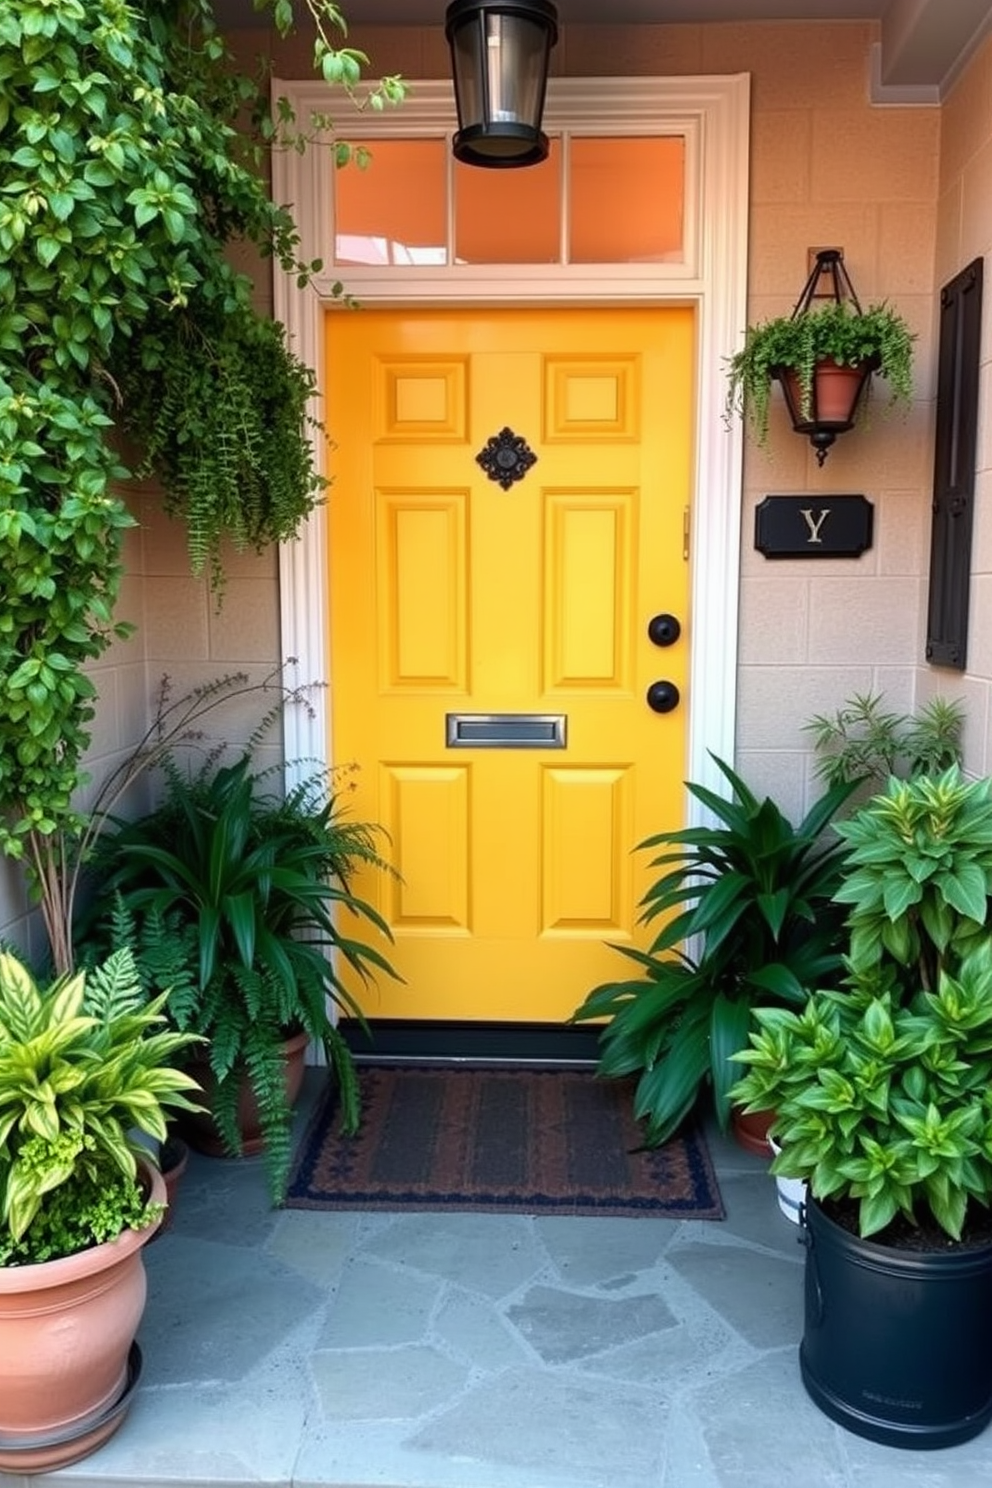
x: 456, y: 594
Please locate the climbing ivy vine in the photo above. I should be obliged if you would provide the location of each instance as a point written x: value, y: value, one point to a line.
x: 131, y: 154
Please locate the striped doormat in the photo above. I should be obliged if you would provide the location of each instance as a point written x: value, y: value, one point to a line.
x: 505, y: 1140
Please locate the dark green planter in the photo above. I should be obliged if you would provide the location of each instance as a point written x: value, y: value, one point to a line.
x: 896, y: 1345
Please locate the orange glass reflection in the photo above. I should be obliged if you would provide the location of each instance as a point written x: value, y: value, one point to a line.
x: 394, y: 211
x: 509, y: 216
x: 627, y: 200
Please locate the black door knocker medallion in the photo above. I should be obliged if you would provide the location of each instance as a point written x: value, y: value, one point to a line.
x: 506, y: 458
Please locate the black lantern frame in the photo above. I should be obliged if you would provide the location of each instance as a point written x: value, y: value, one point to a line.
x: 500, y: 52
x: 836, y: 394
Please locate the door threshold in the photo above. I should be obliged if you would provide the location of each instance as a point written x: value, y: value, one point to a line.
x: 443, y: 1042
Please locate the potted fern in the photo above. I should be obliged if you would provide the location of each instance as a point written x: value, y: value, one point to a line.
x: 238, y: 903
x: 807, y: 354
x: 87, y: 1068
x: 883, y: 1095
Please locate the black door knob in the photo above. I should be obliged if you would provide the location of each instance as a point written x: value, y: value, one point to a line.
x: 663, y: 697
x: 664, y: 630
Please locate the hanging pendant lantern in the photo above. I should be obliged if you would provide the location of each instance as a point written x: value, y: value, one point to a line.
x: 837, y: 390
x: 500, y: 50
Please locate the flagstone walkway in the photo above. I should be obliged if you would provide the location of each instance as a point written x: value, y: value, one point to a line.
x: 483, y: 1351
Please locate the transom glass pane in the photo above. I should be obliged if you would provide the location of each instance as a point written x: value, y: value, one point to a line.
x: 625, y: 204
x: 394, y: 210
x: 509, y: 216
x: 627, y: 199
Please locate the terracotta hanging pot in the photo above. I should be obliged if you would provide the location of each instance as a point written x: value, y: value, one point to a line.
x: 68, y: 1362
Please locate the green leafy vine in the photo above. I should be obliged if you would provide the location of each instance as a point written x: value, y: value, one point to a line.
x: 131, y: 154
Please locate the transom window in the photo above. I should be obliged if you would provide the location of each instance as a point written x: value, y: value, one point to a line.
x: 597, y: 199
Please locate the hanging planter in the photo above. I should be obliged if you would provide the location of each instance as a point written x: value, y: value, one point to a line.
x: 823, y: 358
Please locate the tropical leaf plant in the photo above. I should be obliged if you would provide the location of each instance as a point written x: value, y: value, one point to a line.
x: 86, y: 1064
x: 747, y: 915
x: 883, y: 1090
x: 239, y: 905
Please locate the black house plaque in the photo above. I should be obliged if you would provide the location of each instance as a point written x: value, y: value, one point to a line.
x: 813, y: 526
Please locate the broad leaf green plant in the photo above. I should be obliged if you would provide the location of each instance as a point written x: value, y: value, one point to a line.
x: 85, y: 1064
x: 883, y: 1090
x: 747, y: 914
x: 880, y: 1102
x: 239, y: 904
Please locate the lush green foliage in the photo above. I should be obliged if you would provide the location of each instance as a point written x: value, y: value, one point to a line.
x: 886, y: 1103
x: 237, y: 903
x: 754, y: 893
x: 123, y: 177
x: 918, y: 876
x: 838, y: 332
x: 863, y: 742
x: 84, y: 1064
x: 883, y: 1092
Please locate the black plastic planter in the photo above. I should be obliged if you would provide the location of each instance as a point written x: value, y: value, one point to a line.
x: 896, y: 1342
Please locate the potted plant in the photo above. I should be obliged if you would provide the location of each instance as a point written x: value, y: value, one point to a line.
x: 883, y: 1099
x: 238, y: 903
x: 87, y: 1066
x: 795, y: 350
x: 752, y: 897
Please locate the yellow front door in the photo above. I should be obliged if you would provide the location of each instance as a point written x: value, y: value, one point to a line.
x: 490, y: 646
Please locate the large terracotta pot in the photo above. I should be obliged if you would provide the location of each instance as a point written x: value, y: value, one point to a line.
x: 66, y: 1362
x: 199, y: 1129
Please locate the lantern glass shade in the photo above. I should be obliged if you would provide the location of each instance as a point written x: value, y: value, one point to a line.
x: 499, y: 58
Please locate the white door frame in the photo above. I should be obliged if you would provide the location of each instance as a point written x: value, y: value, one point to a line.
x: 712, y: 115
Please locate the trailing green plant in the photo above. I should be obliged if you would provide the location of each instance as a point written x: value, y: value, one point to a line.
x: 85, y: 1064
x: 883, y: 1091
x: 238, y: 903
x: 864, y: 742
x: 839, y: 332
x: 748, y: 914
x: 131, y: 155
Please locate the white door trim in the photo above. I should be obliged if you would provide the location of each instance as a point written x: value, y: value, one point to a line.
x: 713, y: 115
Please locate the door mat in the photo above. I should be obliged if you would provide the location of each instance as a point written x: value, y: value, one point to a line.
x: 507, y: 1141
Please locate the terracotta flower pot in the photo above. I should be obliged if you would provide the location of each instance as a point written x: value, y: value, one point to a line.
x: 66, y: 1334
x: 200, y: 1130
x: 750, y: 1130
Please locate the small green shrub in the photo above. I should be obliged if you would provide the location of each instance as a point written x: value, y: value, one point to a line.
x: 883, y: 1090
x: 864, y: 742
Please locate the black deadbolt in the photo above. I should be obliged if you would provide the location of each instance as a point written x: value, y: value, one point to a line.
x: 663, y: 697
x: 664, y: 630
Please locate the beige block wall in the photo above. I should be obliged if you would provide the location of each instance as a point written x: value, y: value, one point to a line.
x: 964, y: 232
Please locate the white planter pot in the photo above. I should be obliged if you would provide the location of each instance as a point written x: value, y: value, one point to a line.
x: 791, y: 1191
